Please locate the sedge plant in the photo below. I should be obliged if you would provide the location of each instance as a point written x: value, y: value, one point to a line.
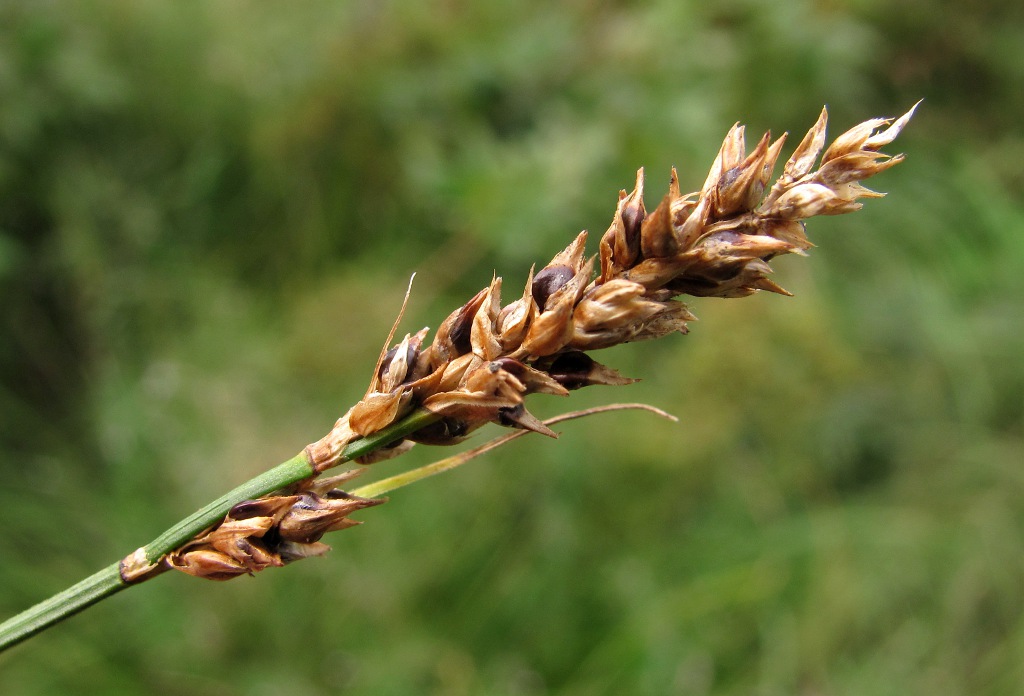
x: 487, y: 357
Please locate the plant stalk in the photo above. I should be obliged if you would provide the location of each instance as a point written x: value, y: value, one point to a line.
x: 110, y: 581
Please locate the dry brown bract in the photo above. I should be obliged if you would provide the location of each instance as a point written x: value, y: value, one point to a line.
x: 486, y: 358
x: 271, y: 531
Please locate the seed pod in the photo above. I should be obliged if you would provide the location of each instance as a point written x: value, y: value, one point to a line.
x: 486, y: 389
x: 291, y: 551
x: 398, y: 363
x: 208, y: 564
x: 572, y: 256
x: 229, y: 550
x: 273, y: 508
x: 552, y: 329
x: 483, y: 335
x: 672, y: 318
x: 657, y: 239
x: 535, y: 381
x: 802, y: 160
x: 770, y: 159
x: 519, y: 417
x: 457, y: 372
x: 792, y: 232
x: 249, y: 553
x: 574, y: 370
x: 312, y: 516
x: 620, y: 244
x: 514, y: 320
x: 453, y: 337
x: 842, y: 173
x: 550, y: 280
x: 492, y: 380
x: 610, y: 314
x: 693, y: 227
x: 807, y: 200
x: 740, y: 188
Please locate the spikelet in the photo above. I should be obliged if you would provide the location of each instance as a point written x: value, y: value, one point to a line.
x: 485, y: 359
x: 271, y: 531
x: 716, y: 242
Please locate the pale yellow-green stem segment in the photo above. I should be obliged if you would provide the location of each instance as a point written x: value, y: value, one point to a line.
x: 397, y: 481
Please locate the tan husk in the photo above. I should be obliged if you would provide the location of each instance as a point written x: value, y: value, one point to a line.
x: 486, y: 358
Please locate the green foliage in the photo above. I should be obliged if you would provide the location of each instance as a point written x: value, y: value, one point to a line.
x: 208, y: 214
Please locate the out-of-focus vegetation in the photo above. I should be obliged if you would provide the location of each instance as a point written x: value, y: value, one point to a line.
x: 208, y: 214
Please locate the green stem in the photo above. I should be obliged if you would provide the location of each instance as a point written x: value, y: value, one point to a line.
x: 109, y: 581
x: 286, y: 473
x: 61, y: 605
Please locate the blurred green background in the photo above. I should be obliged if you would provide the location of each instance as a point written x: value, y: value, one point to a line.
x: 208, y: 215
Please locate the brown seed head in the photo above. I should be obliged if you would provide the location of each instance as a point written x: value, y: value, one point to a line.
x: 486, y: 358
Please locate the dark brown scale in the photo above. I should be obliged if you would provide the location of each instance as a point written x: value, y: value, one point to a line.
x: 462, y: 331
x: 729, y: 177
x: 550, y: 280
x: 442, y: 432
x: 698, y: 286
x: 246, y: 509
x: 511, y: 366
x: 708, y: 285
x: 509, y: 415
x: 410, y: 359
x: 571, y: 369
x: 632, y: 219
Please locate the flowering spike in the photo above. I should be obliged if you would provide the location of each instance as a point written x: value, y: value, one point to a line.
x: 485, y: 359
